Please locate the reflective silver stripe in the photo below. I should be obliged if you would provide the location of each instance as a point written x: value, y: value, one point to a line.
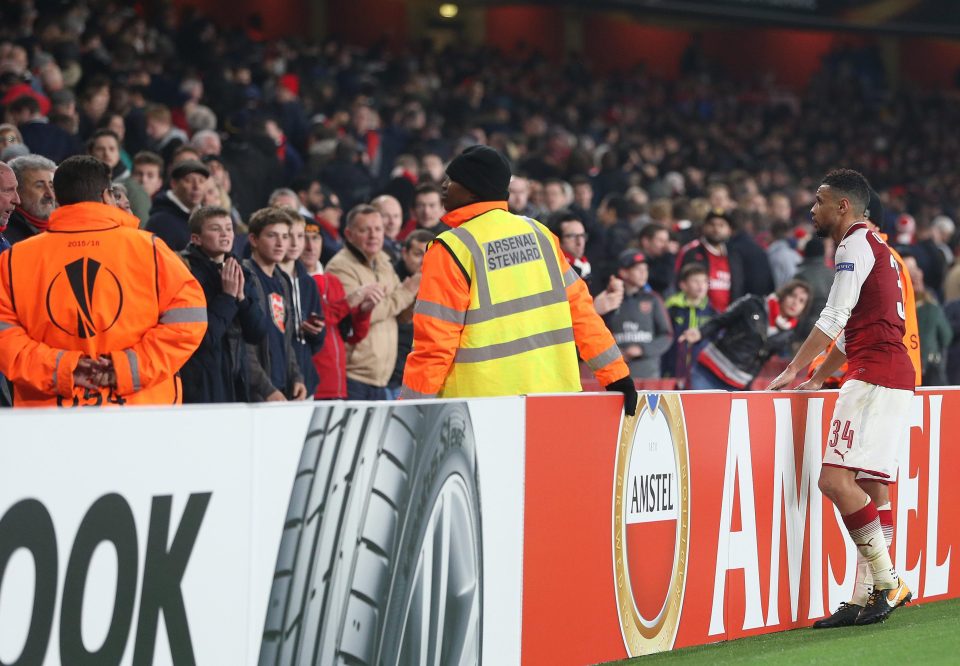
x: 134, y: 367
x: 184, y: 316
x: 516, y: 306
x: 407, y: 393
x: 604, y: 357
x: 726, y: 365
x: 437, y: 311
x: 56, y: 369
x: 479, y: 270
x: 570, y: 277
x: 547, y: 250
x: 486, y: 310
x: 514, y: 347
x: 4, y: 325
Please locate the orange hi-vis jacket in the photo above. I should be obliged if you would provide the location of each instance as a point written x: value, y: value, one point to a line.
x: 501, y: 312
x: 95, y: 285
x: 911, y: 338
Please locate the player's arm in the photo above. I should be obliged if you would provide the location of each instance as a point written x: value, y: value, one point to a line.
x: 854, y: 261
x: 835, y: 359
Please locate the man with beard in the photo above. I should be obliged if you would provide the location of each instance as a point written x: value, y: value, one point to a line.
x: 865, y: 315
x: 724, y: 268
x: 34, y: 175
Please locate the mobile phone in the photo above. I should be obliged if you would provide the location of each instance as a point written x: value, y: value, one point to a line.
x: 315, y: 319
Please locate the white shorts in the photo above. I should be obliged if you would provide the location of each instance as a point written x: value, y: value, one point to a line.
x: 865, y: 431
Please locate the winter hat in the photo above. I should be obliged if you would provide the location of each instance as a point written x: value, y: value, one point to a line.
x: 483, y: 171
x: 875, y: 214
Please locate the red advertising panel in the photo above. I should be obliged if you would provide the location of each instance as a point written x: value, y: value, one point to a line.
x: 707, y: 524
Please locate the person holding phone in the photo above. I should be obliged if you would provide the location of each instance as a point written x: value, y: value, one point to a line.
x: 310, y: 325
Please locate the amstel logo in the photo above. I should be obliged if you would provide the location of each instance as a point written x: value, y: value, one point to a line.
x: 651, y: 524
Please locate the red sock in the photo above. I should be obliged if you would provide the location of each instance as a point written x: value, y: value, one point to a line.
x: 862, y: 518
x: 865, y: 532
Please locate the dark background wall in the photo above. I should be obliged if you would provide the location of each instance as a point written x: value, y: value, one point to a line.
x: 607, y: 39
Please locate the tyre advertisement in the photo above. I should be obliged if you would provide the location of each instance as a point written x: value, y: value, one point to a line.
x: 341, y: 533
x: 525, y: 530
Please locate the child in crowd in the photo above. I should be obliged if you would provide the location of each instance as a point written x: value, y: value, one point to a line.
x: 688, y: 308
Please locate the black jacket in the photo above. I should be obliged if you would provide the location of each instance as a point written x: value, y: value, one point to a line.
x: 19, y: 228
x: 217, y: 371
x: 169, y: 222
x: 306, y: 302
x: 404, y: 332
x: 49, y: 140
x: 258, y: 353
x: 746, y: 342
x: 757, y: 275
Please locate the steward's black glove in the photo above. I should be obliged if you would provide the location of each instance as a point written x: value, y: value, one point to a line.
x: 629, y: 391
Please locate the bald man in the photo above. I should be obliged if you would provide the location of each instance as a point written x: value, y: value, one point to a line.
x: 9, y: 200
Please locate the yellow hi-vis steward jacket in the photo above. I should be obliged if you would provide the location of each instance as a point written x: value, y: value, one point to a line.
x: 501, y: 312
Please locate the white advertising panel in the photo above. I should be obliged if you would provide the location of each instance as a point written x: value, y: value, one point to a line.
x: 269, y: 534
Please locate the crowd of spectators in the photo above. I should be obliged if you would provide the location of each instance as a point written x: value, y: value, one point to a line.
x: 674, y: 199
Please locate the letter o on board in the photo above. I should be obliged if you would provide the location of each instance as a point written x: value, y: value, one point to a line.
x: 28, y: 525
x: 108, y: 519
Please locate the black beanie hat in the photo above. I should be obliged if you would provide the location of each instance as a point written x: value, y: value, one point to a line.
x: 483, y: 171
x: 876, y: 214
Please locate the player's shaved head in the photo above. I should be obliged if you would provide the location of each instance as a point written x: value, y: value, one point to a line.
x: 850, y: 185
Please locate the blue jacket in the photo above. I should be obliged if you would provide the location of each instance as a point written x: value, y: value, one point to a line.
x: 217, y: 371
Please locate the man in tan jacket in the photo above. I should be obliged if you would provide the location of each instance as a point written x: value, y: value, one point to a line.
x: 363, y: 262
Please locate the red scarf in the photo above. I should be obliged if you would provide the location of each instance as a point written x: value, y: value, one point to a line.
x: 776, y: 322
x: 329, y: 226
x: 41, y: 225
x: 582, y: 264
